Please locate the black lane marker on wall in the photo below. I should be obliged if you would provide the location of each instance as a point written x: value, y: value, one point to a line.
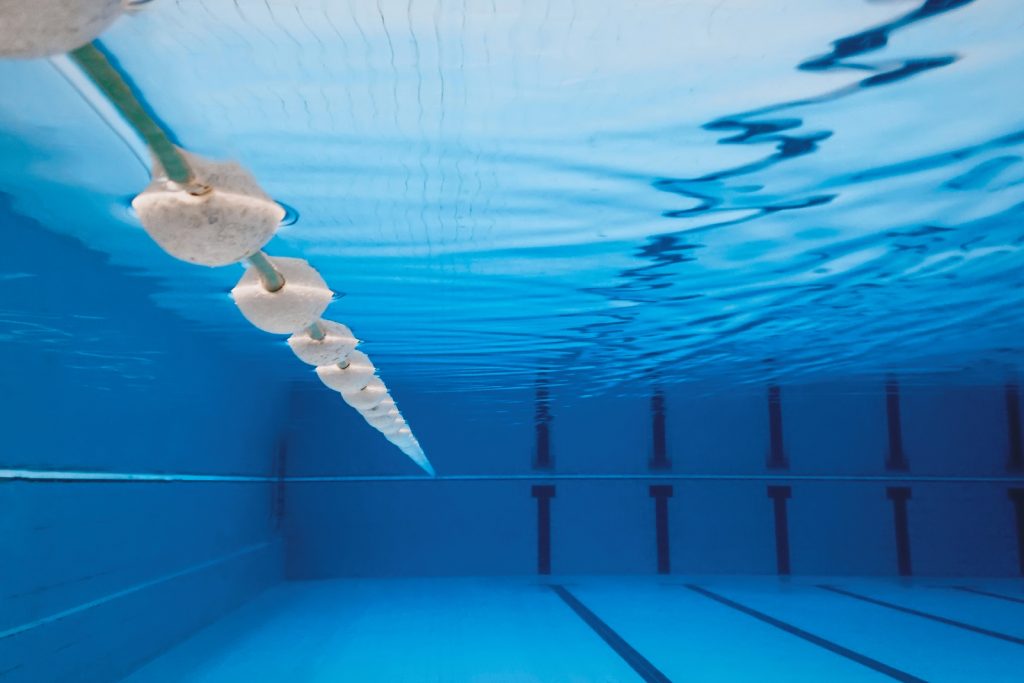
x: 543, y: 494
x: 640, y: 664
x: 899, y: 495
x: 896, y: 458
x: 776, y: 451
x: 659, y: 443
x: 925, y: 615
x: 1017, y: 498
x: 542, y: 459
x: 989, y: 594
x: 779, y: 496
x: 661, y: 494
x: 857, y: 657
x: 1015, y: 461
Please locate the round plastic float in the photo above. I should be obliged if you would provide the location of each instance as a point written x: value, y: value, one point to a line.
x: 40, y: 28
x: 334, y: 348
x: 222, y: 217
x: 373, y: 393
x: 354, y: 376
x: 293, y: 307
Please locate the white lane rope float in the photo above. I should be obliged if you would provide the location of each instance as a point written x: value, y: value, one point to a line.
x: 213, y: 214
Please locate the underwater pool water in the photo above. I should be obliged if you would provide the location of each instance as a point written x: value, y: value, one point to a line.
x: 705, y: 312
x: 797, y: 189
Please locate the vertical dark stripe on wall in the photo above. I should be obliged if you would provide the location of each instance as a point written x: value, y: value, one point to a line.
x: 779, y: 496
x: 1017, y: 497
x: 280, y: 472
x: 542, y: 459
x: 899, y: 495
x: 661, y: 494
x: 659, y: 444
x: 543, y: 494
x: 1015, y: 461
x: 896, y: 458
x: 776, y: 451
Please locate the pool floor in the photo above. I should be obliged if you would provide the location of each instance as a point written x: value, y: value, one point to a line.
x: 612, y: 629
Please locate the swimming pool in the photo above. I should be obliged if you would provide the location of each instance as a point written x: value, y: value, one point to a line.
x: 688, y: 341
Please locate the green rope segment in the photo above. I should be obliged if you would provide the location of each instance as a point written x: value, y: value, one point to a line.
x: 107, y: 78
x: 269, y: 275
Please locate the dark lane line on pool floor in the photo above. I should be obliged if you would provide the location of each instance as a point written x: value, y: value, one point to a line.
x: 835, y: 648
x: 640, y: 664
x: 924, y: 615
x: 988, y: 594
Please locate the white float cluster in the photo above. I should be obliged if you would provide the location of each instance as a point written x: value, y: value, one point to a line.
x: 291, y: 302
x: 296, y: 308
x: 218, y: 215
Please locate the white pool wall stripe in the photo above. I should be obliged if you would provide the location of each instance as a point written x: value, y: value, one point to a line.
x: 56, y: 616
x: 128, y: 477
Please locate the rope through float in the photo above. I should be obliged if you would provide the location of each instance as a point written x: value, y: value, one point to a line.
x: 178, y: 172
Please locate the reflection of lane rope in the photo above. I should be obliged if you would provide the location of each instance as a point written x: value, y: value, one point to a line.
x: 96, y: 101
x: 215, y: 214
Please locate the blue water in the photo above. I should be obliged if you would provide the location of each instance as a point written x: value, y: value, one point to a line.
x: 704, y: 189
x: 766, y: 255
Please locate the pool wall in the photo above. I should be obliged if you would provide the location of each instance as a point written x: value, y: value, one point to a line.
x: 834, y: 466
x: 98, y: 576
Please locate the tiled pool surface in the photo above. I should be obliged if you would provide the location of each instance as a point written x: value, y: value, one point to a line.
x: 612, y: 629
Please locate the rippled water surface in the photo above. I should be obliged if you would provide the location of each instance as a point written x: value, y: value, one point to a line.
x: 601, y: 192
